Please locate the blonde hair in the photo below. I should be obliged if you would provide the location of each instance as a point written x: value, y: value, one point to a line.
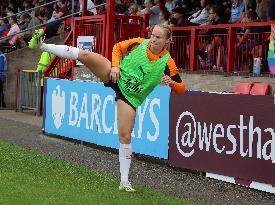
x: 168, y: 31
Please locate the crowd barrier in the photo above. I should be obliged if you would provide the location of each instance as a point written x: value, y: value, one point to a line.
x: 195, y: 49
x: 29, y: 93
x: 224, y: 135
x: 191, y: 44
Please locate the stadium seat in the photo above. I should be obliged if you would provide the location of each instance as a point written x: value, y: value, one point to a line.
x: 243, y: 87
x: 260, y: 89
x: 5, y: 32
x: 7, y: 49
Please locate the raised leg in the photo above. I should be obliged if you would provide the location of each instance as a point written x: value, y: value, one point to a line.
x: 97, y: 64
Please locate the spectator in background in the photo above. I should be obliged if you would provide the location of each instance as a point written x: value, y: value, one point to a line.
x: 132, y: 9
x: 247, y: 39
x: 3, y: 6
x: 119, y: 9
x: 52, y: 27
x: 13, y: 6
x: 271, y: 13
x: 62, y: 9
x: 54, y: 13
x: 186, y: 4
x: 237, y: 9
x: 153, y: 9
x: 250, y: 5
x: 44, y: 13
x: 24, y: 21
x: 35, y: 19
x: 169, y: 5
x: 13, y: 31
x: 178, y: 17
x: 101, y: 9
x: 226, y: 7
x: 33, y: 22
x: 27, y: 5
x: 147, y: 3
x: 34, y: 2
x: 216, y: 45
x: 9, y: 11
x: 201, y: 16
x: 139, y: 4
x: 263, y: 7
x: 3, y: 25
x: 164, y: 17
x: 91, y: 10
x: 20, y: 8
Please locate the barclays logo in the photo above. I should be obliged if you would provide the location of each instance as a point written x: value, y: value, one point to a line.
x: 58, y: 106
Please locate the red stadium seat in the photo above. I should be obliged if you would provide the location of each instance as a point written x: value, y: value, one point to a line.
x: 68, y: 22
x: 260, y: 89
x: 5, y: 32
x: 43, y: 27
x: 243, y: 87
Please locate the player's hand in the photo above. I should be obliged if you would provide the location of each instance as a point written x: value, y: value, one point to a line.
x: 166, y: 80
x: 115, y: 74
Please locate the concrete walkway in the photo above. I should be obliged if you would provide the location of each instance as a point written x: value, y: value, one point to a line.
x: 27, y: 117
x: 24, y: 130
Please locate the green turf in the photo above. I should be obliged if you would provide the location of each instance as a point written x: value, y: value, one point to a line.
x: 29, y: 177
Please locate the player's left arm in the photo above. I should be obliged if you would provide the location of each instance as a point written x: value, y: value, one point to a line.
x: 172, y: 71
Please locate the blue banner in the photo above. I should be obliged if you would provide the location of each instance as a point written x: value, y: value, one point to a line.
x: 86, y: 111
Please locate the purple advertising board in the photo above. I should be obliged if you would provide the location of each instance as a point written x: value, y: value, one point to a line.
x: 231, y: 135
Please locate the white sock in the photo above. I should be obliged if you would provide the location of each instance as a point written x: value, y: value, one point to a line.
x: 125, y: 154
x: 62, y: 51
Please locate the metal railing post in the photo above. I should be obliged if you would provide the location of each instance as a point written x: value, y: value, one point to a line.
x: 84, y: 7
x: 193, y: 47
x: 20, y: 109
x: 109, y: 36
x: 231, y: 46
x: 38, y: 95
